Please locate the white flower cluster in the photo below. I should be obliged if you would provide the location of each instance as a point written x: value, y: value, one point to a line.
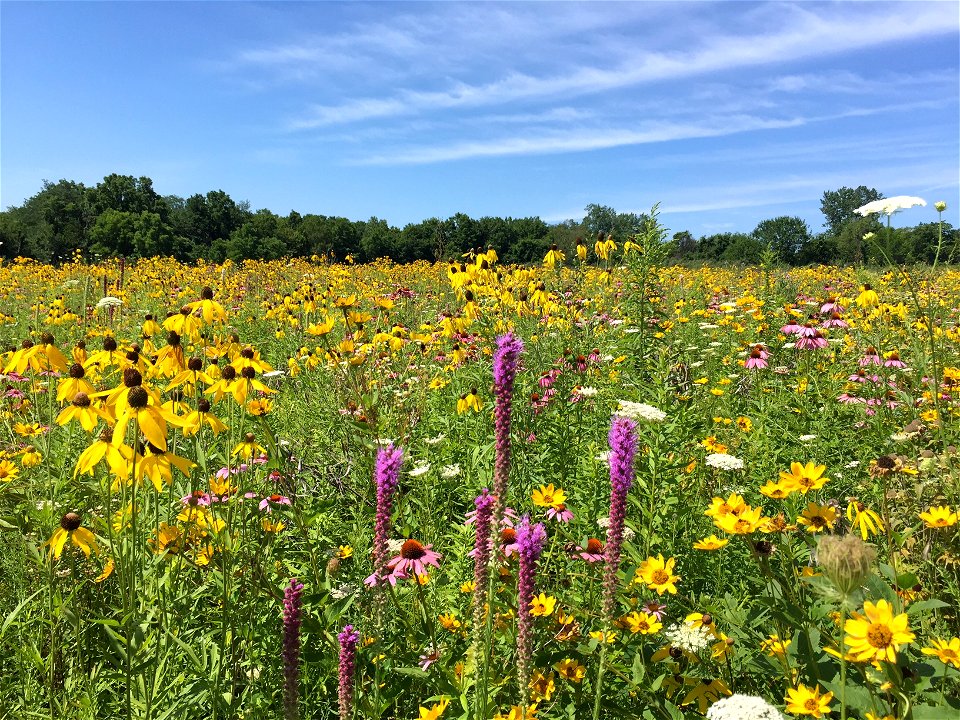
x: 688, y: 637
x: 109, y: 301
x: 722, y: 461
x: 640, y: 411
x: 450, y: 471
x: 628, y: 534
x: 743, y: 707
x: 419, y: 470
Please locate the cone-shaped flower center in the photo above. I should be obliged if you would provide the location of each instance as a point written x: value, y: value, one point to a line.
x: 594, y: 546
x: 70, y: 521
x: 412, y: 550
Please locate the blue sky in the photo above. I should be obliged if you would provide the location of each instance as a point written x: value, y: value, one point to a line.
x: 726, y: 113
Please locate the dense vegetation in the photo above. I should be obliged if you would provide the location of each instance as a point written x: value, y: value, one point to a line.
x: 125, y: 216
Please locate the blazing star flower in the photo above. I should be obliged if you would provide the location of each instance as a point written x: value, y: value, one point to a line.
x: 413, y: 559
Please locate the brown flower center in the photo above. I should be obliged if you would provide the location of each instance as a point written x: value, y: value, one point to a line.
x: 70, y: 521
x: 594, y: 546
x: 879, y: 635
x: 508, y: 536
x: 412, y: 550
x: 660, y: 577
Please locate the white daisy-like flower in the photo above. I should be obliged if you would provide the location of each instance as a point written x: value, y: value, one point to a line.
x: 419, y: 470
x: 722, y: 461
x: 450, y: 471
x: 743, y: 707
x: 640, y: 411
x: 689, y: 638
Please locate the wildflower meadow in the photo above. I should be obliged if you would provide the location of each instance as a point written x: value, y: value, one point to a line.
x: 597, y: 487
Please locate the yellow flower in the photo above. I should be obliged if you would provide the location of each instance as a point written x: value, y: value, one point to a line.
x: 344, y: 551
x: 542, y: 605
x: 601, y: 636
x: 868, y: 297
x: 710, y: 444
x: 747, y: 521
x: 71, y: 529
x: 864, y: 519
x: 8, y: 471
x: 548, y: 496
x: 818, y: 517
x: 434, y: 712
x: 31, y: 457
x: 450, y: 622
x: 259, y: 407
x: 642, y: 623
x: 710, y: 543
x: 804, y: 478
x: 541, y: 686
x: 879, y: 635
x: 939, y: 517
x: 248, y: 447
x: 518, y: 713
x: 775, y: 647
x: 808, y: 701
x: 775, y: 491
x: 745, y: 424
x: 571, y: 670
x: 946, y: 651
x: 469, y: 401
x: 658, y: 575
x: 107, y: 572
x: 467, y: 587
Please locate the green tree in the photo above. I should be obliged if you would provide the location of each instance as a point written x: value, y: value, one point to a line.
x: 126, y: 194
x: 838, y: 206
x: 787, y: 236
x: 606, y: 220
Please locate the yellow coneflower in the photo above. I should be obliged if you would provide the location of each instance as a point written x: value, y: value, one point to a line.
x: 71, y: 529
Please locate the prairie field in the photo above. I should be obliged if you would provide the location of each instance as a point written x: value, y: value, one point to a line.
x: 612, y: 489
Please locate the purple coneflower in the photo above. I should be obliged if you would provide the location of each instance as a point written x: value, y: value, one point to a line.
x: 812, y: 342
x: 386, y: 476
x: 870, y: 357
x: 530, y: 541
x: 757, y: 359
x: 894, y: 361
x: 413, y: 560
x: 348, y: 652
x: 593, y: 552
x: 267, y: 504
x: 623, y: 446
x: 291, y: 648
x: 560, y: 512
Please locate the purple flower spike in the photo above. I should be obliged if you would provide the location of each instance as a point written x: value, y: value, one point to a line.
x: 291, y: 649
x: 386, y: 476
x: 623, y: 447
x: 530, y: 542
x: 348, y: 653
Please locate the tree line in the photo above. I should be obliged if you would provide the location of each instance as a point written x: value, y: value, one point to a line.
x: 124, y: 216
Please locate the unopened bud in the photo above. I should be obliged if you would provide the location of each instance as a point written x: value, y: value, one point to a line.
x: 845, y: 560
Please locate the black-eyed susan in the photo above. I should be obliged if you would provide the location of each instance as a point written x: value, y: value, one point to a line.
x: 571, y: 670
x: 84, y: 411
x: 158, y: 465
x: 72, y: 530
x: 8, y: 471
x: 118, y: 457
x: 30, y: 457
x: 817, y: 518
x: 249, y: 447
x: 866, y: 521
x: 151, y: 420
x: 72, y: 384
x: 878, y: 633
x: 194, y: 420
x: 206, y: 307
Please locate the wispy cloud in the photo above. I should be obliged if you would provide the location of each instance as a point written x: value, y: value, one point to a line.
x: 794, y: 32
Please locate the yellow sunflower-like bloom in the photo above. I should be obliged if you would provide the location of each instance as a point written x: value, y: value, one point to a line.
x: 946, y: 651
x: 941, y: 516
x: 808, y: 701
x: 549, y: 496
x: 657, y: 574
x: 803, y: 478
x: 878, y: 634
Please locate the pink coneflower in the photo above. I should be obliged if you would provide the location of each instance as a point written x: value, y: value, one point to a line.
x: 807, y: 331
x: 429, y: 657
x: 508, y: 541
x: 832, y: 306
x: 835, y: 321
x: 560, y: 513
x: 792, y: 327
x: 267, y: 504
x: 847, y: 399
x: 654, y: 608
x: 894, y: 361
x: 197, y: 497
x: 413, y: 560
x: 757, y: 359
x: 593, y: 552
x: 812, y: 342
x: 870, y: 357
